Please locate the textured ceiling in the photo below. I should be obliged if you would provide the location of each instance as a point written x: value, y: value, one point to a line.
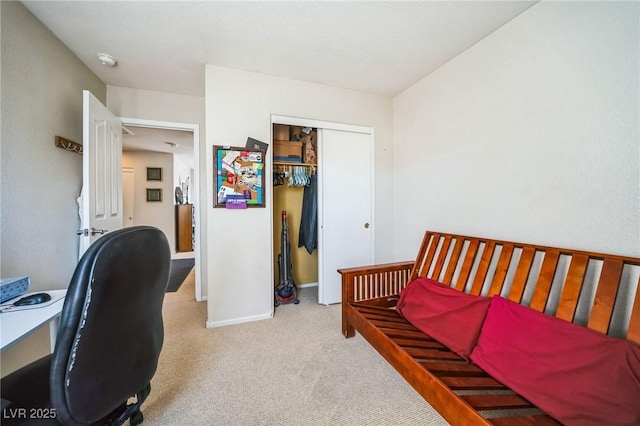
x: 163, y: 140
x: 375, y: 47
x: 176, y: 142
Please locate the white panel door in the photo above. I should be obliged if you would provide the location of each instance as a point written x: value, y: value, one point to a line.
x: 346, y: 206
x: 101, y: 205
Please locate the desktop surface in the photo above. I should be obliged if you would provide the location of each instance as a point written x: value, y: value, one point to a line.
x: 20, y: 321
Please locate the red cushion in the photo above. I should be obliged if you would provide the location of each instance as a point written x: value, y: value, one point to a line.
x: 577, y: 375
x: 451, y: 317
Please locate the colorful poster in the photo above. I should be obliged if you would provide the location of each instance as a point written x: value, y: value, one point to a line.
x: 239, y: 171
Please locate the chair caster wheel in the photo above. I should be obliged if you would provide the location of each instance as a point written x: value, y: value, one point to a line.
x: 136, y: 419
x: 296, y: 302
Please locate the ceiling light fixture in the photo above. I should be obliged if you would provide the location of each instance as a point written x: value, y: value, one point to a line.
x: 107, y: 60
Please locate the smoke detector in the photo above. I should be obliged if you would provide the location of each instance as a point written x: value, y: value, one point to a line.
x: 107, y: 60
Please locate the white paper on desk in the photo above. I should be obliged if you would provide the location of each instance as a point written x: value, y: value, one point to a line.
x: 8, y: 305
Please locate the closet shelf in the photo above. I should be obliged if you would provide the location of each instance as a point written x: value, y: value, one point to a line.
x: 288, y: 163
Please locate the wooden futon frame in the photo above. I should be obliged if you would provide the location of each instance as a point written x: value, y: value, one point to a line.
x: 576, y: 286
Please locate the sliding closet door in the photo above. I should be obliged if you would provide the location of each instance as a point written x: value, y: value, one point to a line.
x: 346, y: 205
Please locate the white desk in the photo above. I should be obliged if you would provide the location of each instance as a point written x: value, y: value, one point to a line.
x: 17, y: 324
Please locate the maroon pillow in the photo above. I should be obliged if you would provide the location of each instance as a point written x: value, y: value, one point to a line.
x: 450, y: 316
x: 579, y: 376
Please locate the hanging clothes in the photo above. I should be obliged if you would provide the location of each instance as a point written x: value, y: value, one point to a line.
x: 308, y: 236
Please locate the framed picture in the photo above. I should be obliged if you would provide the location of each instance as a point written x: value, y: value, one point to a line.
x: 154, y: 194
x: 154, y: 173
x: 238, y: 172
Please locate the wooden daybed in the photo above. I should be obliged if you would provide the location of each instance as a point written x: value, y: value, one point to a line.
x: 578, y: 286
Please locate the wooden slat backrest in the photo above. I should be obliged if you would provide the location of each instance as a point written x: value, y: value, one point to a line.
x: 527, y: 273
x: 483, y: 267
x: 605, y: 296
x: 522, y: 274
x: 453, y: 261
x: 418, y: 269
x: 469, y: 259
x: 501, y: 270
x: 435, y: 240
x: 442, y: 256
x: 572, y: 286
x: 547, y: 274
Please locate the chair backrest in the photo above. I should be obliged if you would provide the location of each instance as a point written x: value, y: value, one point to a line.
x: 111, y: 330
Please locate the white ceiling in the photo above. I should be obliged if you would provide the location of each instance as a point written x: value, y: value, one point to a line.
x: 162, y: 140
x: 375, y: 47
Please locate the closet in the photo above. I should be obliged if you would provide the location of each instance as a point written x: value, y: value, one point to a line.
x: 340, y: 159
x: 294, y: 178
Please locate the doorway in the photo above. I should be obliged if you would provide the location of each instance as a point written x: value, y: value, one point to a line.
x: 193, y: 197
x: 344, y: 201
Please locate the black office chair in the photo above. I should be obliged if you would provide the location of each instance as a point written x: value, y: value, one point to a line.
x: 108, y: 341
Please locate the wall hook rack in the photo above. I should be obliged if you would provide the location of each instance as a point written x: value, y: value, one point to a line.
x: 68, y: 145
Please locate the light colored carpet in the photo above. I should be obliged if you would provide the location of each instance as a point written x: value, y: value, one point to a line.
x: 295, y: 369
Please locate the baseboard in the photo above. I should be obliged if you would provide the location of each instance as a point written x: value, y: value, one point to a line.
x: 307, y: 285
x: 215, y: 324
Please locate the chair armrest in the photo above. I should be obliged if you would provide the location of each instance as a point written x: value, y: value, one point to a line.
x: 375, y: 281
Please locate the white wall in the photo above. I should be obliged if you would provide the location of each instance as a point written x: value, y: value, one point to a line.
x: 530, y: 135
x: 239, y: 105
x: 42, y: 83
x: 159, y: 214
x: 41, y: 97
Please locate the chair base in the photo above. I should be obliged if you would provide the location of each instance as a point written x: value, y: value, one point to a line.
x: 130, y: 412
